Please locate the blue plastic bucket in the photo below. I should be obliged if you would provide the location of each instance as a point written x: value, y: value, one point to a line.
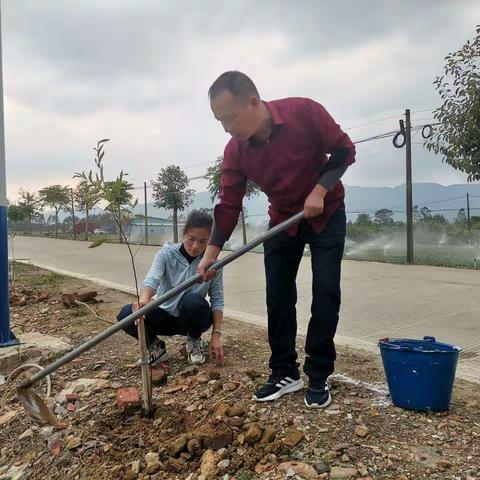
x: 420, y: 373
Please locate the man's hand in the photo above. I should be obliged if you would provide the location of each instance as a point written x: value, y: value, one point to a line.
x: 203, y: 266
x: 215, y: 348
x: 209, y: 258
x: 313, y: 206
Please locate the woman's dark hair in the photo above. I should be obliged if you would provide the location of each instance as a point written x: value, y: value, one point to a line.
x: 198, y: 219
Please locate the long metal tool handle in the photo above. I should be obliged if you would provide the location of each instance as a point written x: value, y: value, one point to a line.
x: 68, y: 357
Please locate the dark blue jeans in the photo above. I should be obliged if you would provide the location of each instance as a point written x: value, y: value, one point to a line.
x: 282, y: 259
x: 194, y: 319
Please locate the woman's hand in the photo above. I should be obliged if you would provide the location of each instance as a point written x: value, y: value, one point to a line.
x: 215, y: 348
x: 138, y: 305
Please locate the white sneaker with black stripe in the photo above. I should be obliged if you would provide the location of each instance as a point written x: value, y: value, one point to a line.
x: 275, y: 387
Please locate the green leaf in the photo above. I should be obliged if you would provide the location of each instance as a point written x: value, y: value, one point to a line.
x: 97, y: 243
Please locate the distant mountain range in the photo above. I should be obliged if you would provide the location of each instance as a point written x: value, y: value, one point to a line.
x: 447, y: 200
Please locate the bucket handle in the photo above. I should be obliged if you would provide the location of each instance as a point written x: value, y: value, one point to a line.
x: 385, y: 341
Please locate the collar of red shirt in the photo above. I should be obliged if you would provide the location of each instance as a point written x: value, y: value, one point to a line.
x: 277, y: 119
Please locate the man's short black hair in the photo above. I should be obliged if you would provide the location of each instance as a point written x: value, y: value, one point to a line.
x: 237, y: 83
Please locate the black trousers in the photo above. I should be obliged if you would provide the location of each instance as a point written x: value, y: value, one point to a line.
x: 282, y: 259
x: 195, y: 318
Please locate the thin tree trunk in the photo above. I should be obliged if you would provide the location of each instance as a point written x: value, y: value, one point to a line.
x: 30, y: 224
x: 175, y: 226
x: 120, y: 224
x: 56, y: 223
x: 244, y: 227
x: 86, y: 224
x: 73, y: 216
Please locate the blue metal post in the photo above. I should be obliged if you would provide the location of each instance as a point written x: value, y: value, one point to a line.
x: 6, y: 336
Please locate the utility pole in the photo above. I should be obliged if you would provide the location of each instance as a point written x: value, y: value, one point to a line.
x: 409, y: 190
x: 146, y: 213
x: 73, y: 215
x: 468, y: 215
x: 7, y: 338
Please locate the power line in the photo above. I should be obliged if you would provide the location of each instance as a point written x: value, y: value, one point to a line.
x: 199, y: 164
x: 389, y: 118
x: 141, y: 187
x: 442, y: 201
x: 357, y: 142
x: 430, y: 203
x: 376, y: 210
x: 381, y: 136
x: 430, y: 119
x: 371, y: 153
x: 376, y: 137
x: 430, y: 109
x: 373, y: 121
x: 364, y: 140
x: 185, y: 167
x: 389, y: 134
x: 403, y: 211
x: 367, y: 210
x: 454, y: 209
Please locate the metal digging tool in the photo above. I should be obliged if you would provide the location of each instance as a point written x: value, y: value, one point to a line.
x: 34, y: 404
x: 146, y: 377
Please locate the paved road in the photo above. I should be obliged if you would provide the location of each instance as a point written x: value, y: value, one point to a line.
x: 379, y: 300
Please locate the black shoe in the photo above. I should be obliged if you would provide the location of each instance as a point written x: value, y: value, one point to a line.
x: 277, y: 386
x: 318, y: 395
x: 157, y: 353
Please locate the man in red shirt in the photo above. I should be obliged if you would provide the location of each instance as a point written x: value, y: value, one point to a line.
x: 283, y: 146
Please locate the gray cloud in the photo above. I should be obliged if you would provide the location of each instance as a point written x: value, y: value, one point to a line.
x: 75, y: 57
x: 139, y: 71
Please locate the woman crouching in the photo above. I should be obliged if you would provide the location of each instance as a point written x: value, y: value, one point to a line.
x: 189, y: 313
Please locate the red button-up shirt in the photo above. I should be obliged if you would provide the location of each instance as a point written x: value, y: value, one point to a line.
x: 286, y: 167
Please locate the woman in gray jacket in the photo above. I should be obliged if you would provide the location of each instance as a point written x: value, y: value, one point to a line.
x: 189, y: 313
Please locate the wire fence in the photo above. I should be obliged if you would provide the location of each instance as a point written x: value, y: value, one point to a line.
x: 442, y: 236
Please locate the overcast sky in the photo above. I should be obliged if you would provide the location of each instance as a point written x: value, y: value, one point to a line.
x: 137, y: 71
